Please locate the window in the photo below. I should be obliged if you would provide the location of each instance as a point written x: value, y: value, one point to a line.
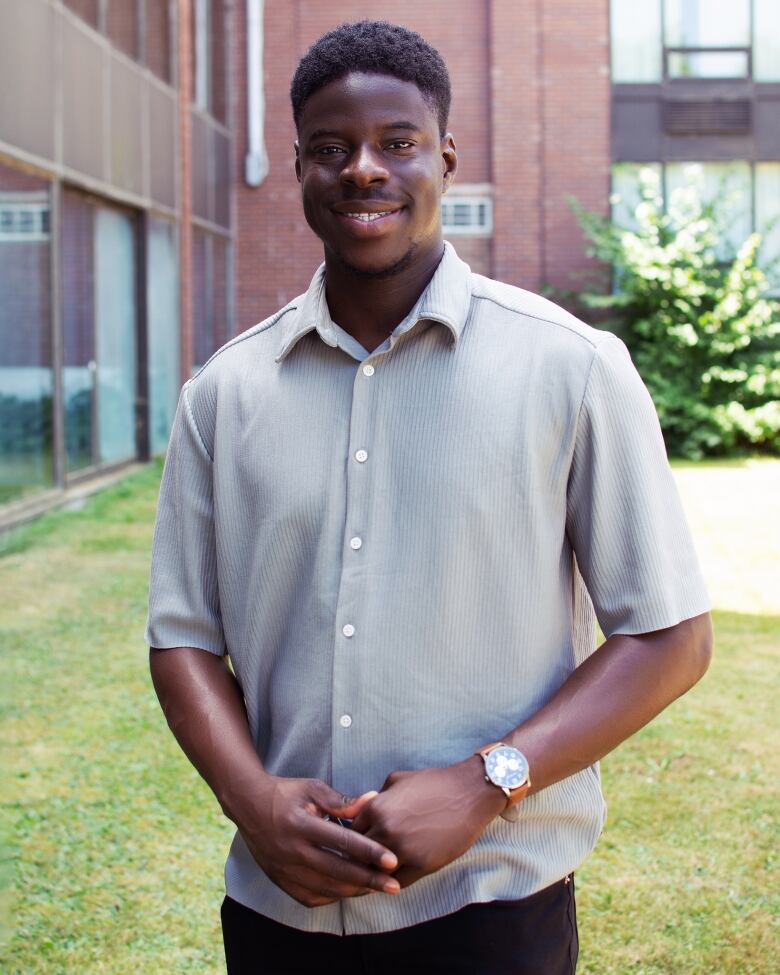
x: 26, y: 375
x: 685, y: 39
x: 208, y: 23
x: 122, y: 26
x: 162, y: 316
x: 636, y: 41
x: 24, y: 216
x: 157, y: 48
x: 209, y: 294
x: 750, y: 200
x: 472, y: 215
x: 86, y: 9
x: 99, y: 324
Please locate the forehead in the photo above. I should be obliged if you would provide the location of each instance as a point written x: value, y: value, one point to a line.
x: 372, y: 100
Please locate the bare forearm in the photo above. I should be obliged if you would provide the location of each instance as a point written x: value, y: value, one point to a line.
x: 205, y: 710
x: 615, y: 692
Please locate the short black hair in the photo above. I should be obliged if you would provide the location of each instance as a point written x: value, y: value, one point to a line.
x: 373, y: 47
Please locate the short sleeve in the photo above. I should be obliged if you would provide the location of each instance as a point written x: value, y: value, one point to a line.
x: 183, y: 589
x: 624, y: 515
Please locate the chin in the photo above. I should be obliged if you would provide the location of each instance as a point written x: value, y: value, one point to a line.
x: 376, y: 269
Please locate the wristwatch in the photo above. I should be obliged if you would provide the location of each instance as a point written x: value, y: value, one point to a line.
x: 507, y: 768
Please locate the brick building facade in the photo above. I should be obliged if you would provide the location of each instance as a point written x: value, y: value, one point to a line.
x: 136, y: 236
x: 530, y: 116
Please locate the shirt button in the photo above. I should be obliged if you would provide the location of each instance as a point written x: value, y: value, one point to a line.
x: 345, y: 721
x: 348, y: 629
x: 356, y: 543
x: 368, y: 370
x: 361, y: 456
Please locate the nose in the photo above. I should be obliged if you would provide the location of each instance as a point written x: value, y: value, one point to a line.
x: 364, y: 167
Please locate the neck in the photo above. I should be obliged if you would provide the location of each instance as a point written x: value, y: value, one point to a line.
x: 388, y: 300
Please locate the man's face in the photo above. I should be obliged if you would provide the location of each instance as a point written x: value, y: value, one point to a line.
x: 372, y: 168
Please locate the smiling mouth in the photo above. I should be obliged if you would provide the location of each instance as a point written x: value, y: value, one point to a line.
x: 370, y: 217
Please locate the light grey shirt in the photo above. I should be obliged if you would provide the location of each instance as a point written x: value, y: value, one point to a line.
x: 389, y: 547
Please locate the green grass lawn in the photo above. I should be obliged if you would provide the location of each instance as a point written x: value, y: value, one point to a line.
x: 114, y: 847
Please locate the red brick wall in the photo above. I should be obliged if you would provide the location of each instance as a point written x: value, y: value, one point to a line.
x: 530, y: 114
x: 575, y: 128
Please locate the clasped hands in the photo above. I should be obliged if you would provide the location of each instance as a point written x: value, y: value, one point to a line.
x: 417, y: 823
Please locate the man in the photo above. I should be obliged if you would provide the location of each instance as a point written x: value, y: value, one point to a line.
x: 382, y: 503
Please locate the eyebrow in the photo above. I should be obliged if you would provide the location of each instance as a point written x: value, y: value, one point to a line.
x: 335, y: 133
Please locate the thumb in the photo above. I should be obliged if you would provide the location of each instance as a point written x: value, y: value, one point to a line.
x: 345, y: 807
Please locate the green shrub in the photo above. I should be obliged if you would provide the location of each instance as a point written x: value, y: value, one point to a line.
x: 700, y: 328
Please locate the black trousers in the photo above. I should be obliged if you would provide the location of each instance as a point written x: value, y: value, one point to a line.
x: 533, y: 936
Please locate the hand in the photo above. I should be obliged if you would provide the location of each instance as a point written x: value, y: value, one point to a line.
x: 315, y: 861
x: 431, y: 816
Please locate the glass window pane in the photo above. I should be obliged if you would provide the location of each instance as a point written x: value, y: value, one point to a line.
x: 768, y: 220
x: 202, y: 300
x: 78, y: 328
x: 115, y: 316
x: 626, y: 190
x: 707, y: 23
x: 26, y: 382
x: 708, y: 64
x: 158, y: 38
x: 201, y: 51
x: 163, y: 324
x: 122, y: 25
x: 729, y: 184
x: 766, y: 44
x: 88, y: 9
x: 217, y: 99
x: 221, y: 270
x: 636, y: 41
x: 210, y: 270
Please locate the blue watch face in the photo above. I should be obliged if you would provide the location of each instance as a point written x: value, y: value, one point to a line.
x: 507, y: 767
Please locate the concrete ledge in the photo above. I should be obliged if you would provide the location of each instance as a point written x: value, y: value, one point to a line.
x: 17, y: 513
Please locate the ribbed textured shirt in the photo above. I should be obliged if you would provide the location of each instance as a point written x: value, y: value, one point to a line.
x: 391, y: 546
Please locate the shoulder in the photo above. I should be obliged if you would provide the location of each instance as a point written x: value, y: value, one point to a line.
x: 248, y: 351
x: 513, y: 305
x: 254, y: 340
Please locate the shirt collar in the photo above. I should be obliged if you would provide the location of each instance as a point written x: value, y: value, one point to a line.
x: 446, y: 300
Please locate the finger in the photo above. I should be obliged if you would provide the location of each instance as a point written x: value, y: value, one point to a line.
x: 408, y: 875
x: 351, y: 807
x: 324, y: 885
x: 338, y: 804
x: 350, y: 843
x: 338, y: 868
x: 303, y: 895
x: 362, y: 822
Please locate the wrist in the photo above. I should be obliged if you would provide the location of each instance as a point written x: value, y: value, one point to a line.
x: 484, y: 796
x: 245, y: 795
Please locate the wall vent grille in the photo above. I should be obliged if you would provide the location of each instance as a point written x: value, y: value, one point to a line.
x: 718, y: 116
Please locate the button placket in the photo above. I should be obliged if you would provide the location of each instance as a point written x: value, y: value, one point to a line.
x: 351, y: 624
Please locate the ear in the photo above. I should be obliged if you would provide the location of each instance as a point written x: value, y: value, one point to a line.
x: 297, y: 160
x: 449, y: 156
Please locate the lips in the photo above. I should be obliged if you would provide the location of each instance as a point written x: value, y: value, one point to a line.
x: 366, y: 220
x: 369, y: 217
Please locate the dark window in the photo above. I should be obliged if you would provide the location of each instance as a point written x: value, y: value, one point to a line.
x: 158, y: 38
x: 87, y: 9
x: 26, y: 379
x: 209, y: 293
x: 122, y: 25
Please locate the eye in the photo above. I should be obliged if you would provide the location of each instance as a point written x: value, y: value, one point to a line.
x: 401, y: 144
x: 328, y: 150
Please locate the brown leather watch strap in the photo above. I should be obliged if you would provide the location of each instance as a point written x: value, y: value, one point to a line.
x: 513, y: 796
x: 488, y: 748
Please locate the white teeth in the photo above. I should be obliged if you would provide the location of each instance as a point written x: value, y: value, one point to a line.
x: 368, y: 217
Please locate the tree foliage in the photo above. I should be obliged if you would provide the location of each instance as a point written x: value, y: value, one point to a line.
x: 700, y: 328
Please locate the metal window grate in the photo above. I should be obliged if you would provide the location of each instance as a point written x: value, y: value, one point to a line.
x: 725, y: 116
x: 24, y: 217
x: 467, y: 215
